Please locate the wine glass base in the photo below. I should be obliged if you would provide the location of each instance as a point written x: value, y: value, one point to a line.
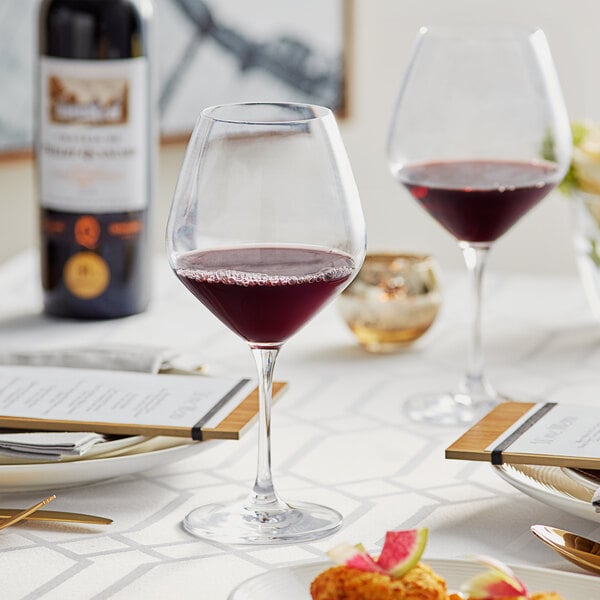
x: 450, y: 408
x: 238, y: 524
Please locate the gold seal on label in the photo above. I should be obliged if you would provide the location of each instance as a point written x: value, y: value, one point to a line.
x: 86, y: 275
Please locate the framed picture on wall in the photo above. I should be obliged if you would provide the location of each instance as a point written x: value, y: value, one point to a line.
x: 234, y: 50
x: 209, y: 52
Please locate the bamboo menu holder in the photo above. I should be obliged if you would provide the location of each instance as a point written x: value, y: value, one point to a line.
x: 484, y: 441
x: 238, y: 420
x: 230, y: 428
x: 127, y: 403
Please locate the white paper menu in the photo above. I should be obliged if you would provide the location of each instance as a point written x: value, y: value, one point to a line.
x: 117, y: 401
x: 552, y: 429
x: 560, y: 435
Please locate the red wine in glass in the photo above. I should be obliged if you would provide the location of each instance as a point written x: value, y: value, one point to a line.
x: 477, y: 161
x: 243, y: 239
x: 264, y: 294
x: 477, y: 201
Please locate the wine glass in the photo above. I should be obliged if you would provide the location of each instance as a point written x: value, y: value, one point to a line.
x: 265, y: 228
x: 479, y: 135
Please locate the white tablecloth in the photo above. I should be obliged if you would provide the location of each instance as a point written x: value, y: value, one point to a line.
x: 339, y: 438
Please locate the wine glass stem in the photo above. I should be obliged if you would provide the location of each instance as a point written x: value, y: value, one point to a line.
x: 474, y: 384
x: 263, y: 493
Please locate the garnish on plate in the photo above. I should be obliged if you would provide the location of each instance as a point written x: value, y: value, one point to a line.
x: 498, y: 582
x: 398, y: 574
x: 401, y: 552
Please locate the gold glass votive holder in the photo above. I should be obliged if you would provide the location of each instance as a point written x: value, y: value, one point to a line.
x: 393, y: 300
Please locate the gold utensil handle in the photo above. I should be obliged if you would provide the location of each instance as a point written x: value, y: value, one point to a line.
x: 25, y: 513
x: 56, y: 516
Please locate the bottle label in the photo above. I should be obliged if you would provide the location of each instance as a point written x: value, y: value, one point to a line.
x: 86, y: 275
x: 93, y: 137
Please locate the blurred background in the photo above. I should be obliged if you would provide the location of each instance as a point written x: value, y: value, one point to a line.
x: 376, y: 38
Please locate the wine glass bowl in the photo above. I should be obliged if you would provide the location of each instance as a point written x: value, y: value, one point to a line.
x: 479, y: 135
x: 265, y: 229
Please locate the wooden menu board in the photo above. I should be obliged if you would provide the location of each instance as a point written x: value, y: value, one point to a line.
x: 230, y: 428
x: 127, y: 403
x: 238, y: 420
x: 490, y: 439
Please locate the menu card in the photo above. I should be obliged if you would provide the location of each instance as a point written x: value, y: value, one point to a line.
x: 126, y: 403
x: 534, y: 433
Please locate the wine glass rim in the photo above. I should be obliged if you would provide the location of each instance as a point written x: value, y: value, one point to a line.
x: 480, y: 31
x: 212, y: 112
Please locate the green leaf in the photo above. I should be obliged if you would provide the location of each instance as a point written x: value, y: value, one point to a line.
x: 594, y: 252
x: 570, y: 182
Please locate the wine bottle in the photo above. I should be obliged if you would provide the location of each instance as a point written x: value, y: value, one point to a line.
x: 95, y: 153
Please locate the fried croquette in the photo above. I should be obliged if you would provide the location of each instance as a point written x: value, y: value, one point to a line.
x: 345, y: 583
x: 538, y: 596
x: 420, y: 583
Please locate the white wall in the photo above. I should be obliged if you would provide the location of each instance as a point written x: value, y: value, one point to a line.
x: 382, y: 33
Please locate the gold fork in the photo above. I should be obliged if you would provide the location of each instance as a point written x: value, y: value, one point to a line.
x: 25, y: 513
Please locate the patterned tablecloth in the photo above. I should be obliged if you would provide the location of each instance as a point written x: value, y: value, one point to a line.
x: 339, y: 438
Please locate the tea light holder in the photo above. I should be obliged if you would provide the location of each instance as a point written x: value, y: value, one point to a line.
x: 393, y: 300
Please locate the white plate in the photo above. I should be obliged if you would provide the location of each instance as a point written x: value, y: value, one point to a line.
x: 552, y: 487
x: 293, y: 583
x: 150, y: 453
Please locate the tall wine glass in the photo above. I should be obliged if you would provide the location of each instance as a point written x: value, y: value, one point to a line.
x: 479, y: 135
x: 265, y: 228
